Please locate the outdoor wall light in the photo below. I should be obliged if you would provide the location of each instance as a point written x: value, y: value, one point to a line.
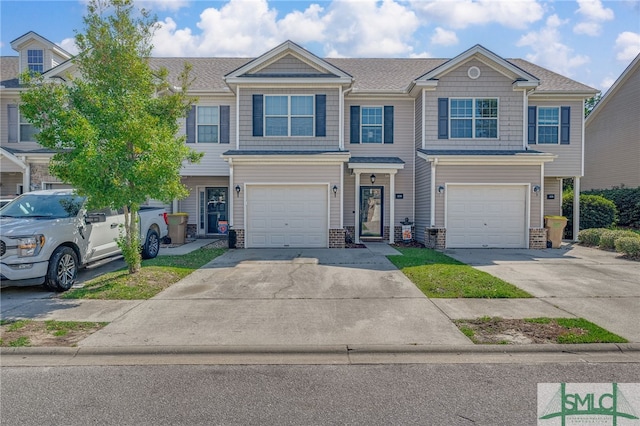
x: 238, y: 190
x: 335, y: 190
x: 440, y: 189
x: 536, y: 189
x: 373, y: 179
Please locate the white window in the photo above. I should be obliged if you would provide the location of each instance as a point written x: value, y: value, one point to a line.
x: 371, y: 124
x: 28, y: 131
x: 35, y: 61
x: 548, y: 124
x: 208, y: 124
x: 474, y: 118
x: 289, y: 115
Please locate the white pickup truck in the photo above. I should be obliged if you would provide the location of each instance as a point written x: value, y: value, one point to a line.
x: 46, y: 236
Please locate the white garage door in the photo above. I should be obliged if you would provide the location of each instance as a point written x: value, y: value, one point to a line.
x: 486, y: 216
x: 287, y: 216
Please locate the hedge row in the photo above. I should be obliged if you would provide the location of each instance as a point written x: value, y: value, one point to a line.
x: 595, y: 212
x: 622, y: 241
x: 627, y: 201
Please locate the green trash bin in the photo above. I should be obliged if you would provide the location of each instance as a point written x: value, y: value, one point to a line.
x: 555, y: 229
x: 177, y: 227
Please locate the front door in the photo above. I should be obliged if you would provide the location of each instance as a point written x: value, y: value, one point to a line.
x: 215, y: 211
x: 371, y: 213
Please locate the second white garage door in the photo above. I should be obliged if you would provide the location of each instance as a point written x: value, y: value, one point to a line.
x: 486, y: 216
x: 287, y: 216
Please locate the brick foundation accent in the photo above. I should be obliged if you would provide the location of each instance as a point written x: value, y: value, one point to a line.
x: 239, y: 238
x: 192, y: 230
x: 537, y: 238
x: 336, y: 238
x: 435, y: 238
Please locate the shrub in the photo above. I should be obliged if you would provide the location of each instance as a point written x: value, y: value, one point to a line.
x: 590, y: 237
x: 595, y: 212
x: 609, y: 237
x: 629, y: 246
x: 627, y: 201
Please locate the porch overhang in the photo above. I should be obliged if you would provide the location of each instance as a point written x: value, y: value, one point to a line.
x: 486, y: 157
x: 285, y: 157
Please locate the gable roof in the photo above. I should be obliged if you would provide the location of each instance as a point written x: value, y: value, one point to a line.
x: 633, y: 67
x: 31, y: 35
x: 520, y: 76
x: 324, y: 68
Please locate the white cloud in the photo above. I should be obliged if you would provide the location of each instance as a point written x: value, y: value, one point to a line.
x: 548, y: 49
x: 367, y: 28
x: 159, y: 5
x: 443, y: 37
x: 464, y: 13
x: 606, y: 83
x: 594, y: 11
x: 595, y: 14
x: 69, y: 44
x: 249, y: 28
x: 627, y: 46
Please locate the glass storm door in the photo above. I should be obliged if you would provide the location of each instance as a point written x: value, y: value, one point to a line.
x: 217, y: 221
x: 371, y: 214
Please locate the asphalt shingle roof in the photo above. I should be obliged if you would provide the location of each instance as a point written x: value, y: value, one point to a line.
x: 369, y: 74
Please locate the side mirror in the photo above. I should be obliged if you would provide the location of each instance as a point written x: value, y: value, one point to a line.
x: 95, y: 218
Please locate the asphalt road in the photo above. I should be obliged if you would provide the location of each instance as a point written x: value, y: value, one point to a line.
x: 426, y: 394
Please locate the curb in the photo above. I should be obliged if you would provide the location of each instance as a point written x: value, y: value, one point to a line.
x: 322, y: 350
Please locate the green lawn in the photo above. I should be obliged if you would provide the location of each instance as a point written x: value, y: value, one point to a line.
x: 440, y: 276
x: 155, y: 275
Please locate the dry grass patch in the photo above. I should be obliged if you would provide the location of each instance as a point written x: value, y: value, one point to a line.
x: 25, y: 333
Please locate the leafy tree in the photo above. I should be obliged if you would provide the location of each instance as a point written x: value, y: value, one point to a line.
x: 114, y: 126
x: 591, y: 103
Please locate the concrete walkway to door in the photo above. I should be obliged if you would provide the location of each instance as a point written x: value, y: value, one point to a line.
x: 284, y: 298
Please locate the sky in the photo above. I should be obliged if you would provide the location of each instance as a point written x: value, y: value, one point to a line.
x: 591, y: 41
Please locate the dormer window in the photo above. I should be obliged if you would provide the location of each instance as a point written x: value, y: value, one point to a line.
x: 35, y: 61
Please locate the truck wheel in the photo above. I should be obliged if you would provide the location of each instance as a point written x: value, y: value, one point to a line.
x: 151, y: 245
x: 63, y: 269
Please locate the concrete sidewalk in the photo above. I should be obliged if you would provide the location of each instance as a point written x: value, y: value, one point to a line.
x: 344, y: 301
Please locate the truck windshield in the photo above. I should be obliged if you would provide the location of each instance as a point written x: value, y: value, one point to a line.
x: 43, y: 206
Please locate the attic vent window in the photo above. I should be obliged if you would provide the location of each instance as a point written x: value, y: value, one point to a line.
x: 473, y: 73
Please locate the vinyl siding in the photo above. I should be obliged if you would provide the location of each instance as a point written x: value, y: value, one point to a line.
x: 489, y: 175
x: 402, y: 147
x: 328, y: 175
x: 4, y: 128
x: 552, y: 186
x: 288, y: 65
x: 569, y: 161
x: 211, y: 163
x: 490, y: 84
x: 423, y: 197
x: 10, y: 182
x: 193, y: 183
x: 249, y: 142
x: 612, y: 140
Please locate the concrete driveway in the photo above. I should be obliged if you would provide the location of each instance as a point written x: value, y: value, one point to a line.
x: 286, y: 297
x: 597, y: 285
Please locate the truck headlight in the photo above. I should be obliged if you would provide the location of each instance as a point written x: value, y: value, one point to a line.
x: 30, y: 246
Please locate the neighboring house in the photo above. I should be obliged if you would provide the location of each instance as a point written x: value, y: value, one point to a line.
x: 612, y: 135
x: 300, y: 150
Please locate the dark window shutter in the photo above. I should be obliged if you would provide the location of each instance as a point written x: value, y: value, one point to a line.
x: 565, y: 118
x: 321, y: 115
x: 355, y: 124
x: 258, y: 120
x: 531, y: 124
x: 191, y: 125
x: 388, y: 124
x: 12, y: 122
x: 443, y: 118
x: 224, y: 124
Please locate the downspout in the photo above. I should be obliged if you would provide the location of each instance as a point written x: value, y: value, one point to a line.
x: 433, y: 193
x: 230, y: 193
x: 237, y: 119
x: 343, y: 94
x: 423, y: 136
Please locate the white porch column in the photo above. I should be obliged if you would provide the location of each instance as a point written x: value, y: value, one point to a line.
x: 357, y: 218
x: 392, y: 207
x: 576, y: 207
x: 26, y: 179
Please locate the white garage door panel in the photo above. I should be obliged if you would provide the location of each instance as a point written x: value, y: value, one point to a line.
x: 287, y: 216
x: 486, y: 216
